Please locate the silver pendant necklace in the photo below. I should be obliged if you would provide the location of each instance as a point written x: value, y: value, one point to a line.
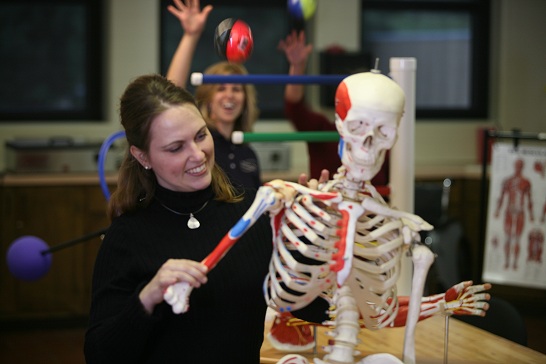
x: 193, y: 223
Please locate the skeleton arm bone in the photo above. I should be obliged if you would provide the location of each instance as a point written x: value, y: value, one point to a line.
x: 461, y: 299
x: 177, y: 295
x: 422, y: 259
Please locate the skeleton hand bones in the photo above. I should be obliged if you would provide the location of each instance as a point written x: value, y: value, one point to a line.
x: 462, y: 299
x: 467, y: 299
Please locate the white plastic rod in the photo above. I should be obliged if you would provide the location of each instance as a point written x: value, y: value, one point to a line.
x: 402, y: 157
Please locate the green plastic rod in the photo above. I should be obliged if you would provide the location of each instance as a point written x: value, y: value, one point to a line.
x: 238, y: 137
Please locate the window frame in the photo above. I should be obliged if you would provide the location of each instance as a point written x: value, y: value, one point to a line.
x: 479, y: 12
x: 93, y: 108
x: 274, y: 92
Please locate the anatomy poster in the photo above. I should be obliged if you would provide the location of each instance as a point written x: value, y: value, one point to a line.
x: 516, y: 222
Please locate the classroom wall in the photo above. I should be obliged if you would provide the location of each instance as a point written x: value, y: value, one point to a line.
x: 517, y: 73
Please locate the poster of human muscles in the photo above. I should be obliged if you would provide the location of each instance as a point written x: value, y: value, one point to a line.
x: 516, y: 216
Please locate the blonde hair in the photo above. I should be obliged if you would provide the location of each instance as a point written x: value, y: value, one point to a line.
x: 205, y: 92
x: 143, y: 100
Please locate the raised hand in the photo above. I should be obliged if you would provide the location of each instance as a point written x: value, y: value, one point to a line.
x: 295, y: 49
x: 190, y: 15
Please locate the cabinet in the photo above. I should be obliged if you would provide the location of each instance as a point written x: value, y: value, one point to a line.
x: 56, y: 214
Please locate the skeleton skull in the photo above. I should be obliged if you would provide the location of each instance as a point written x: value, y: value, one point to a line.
x: 369, y: 106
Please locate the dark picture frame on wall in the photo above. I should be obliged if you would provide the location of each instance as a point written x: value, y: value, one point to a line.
x: 51, y: 60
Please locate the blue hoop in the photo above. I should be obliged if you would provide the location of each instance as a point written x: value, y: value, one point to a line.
x: 105, y: 147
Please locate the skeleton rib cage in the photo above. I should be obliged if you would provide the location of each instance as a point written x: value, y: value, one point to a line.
x: 307, y: 234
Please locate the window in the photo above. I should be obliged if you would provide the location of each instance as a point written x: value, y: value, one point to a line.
x: 269, y: 22
x: 50, y: 60
x: 449, y: 39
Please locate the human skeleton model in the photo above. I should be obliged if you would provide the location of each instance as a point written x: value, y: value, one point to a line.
x: 517, y: 188
x: 342, y: 242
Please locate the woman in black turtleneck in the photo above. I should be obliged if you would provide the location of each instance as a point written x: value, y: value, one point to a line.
x: 168, y: 174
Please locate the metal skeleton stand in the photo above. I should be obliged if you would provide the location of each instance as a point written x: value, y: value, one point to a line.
x: 446, y: 339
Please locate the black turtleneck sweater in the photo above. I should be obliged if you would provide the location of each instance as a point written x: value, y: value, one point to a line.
x: 225, y: 321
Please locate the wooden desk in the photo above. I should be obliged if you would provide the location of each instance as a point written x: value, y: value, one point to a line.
x: 467, y: 344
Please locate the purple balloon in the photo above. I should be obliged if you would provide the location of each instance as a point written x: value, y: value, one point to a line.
x: 25, y: 259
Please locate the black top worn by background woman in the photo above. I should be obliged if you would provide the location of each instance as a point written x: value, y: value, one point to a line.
x: 225, y: 320
x: 238, y: 161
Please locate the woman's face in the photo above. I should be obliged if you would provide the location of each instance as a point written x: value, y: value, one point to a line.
x: 181, y: 152
x: 227, y: 103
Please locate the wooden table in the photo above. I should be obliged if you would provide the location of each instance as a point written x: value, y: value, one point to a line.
x: 467, y: 344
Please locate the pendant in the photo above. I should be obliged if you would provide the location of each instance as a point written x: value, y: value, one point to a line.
x: 193, y: 223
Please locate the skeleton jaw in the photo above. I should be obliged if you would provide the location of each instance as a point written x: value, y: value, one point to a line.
x: 361, y: 166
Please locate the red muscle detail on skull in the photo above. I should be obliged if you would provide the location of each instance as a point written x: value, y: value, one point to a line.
x: 343, y: 102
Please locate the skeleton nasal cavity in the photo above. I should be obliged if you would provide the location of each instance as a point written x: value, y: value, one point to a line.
x: 368, y: 140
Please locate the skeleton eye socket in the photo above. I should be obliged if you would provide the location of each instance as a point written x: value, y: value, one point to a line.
x: 357, y: 127
x: 386, y: 131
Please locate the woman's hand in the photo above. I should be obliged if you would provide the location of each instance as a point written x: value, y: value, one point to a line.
x: 191, y: 17
x: 173, y: 271
x: 313, y: 183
